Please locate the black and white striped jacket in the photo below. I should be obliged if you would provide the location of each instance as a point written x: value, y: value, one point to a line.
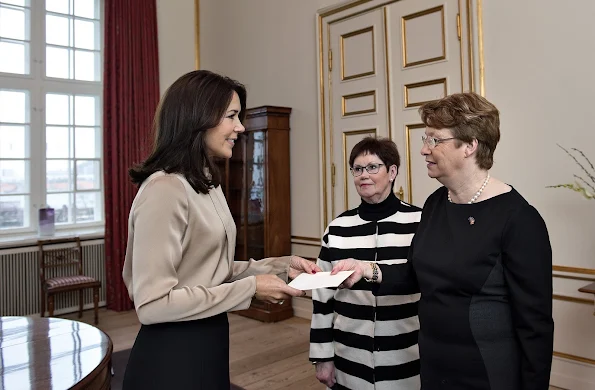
x: 371, y: 338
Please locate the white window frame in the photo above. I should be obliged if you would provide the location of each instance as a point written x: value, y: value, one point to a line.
x: 37, y: 84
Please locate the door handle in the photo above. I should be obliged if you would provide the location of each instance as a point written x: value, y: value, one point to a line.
x: 401, y: 193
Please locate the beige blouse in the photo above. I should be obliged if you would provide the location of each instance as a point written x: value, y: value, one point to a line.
x: 179, y: 259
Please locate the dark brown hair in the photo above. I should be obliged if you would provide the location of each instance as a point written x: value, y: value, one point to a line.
x: 469, y: 116
x: 384, y: 148
x: 193, y: 104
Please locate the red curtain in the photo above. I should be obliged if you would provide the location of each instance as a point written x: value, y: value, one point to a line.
x: 130, y: 96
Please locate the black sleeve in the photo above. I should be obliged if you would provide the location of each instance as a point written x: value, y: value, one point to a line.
x: 527, y: 259
x: 401, y: 279
x: 398, y: 279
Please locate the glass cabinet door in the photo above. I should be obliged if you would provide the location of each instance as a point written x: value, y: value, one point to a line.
x: 255, y: 194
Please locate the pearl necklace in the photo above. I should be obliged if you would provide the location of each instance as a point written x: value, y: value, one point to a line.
x: 477, y: 194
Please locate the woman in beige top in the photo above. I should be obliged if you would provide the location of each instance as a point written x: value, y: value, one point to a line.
x: 179, y: 267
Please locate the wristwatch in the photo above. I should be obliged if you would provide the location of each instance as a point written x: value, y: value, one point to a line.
x: 374, y: 277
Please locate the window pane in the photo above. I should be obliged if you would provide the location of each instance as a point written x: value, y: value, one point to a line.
x: 58, y: 142
x: 13, y: 176
x: 85, y: 34
x: 13, y: 141
x: 59, y: 6
x: 14, y: 211
x: 59, y: 175
x: 87, y: 142
x: 88, y: 176
x: 13, y: 106
x: 12, y: 23
x: 22, y: 3
x: 63, y: 206
x: 12, y: 57
x: 88, y: 207
x: 56, y: 30
x: 57, y: 109
x: 84, y: 65
x: 85, y: 110
x: 86, y: 9
x: 57, y: 62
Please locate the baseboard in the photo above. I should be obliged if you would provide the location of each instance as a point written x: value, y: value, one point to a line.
x: 71, y: 309
x: 302, y: 307
x: 568, y: 374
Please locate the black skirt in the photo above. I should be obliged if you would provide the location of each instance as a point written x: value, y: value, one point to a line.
x: 180, y: 355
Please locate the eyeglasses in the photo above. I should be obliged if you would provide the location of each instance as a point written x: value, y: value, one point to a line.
x: 371, y: 168
x: 433, y: 141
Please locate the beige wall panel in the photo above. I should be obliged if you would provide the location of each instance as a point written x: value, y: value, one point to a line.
x: 175, y: 36
x: 423, y: 37
x: 359, y: 103
x: 417, y: 94
x: 305, y: 250
x: 356, y: 62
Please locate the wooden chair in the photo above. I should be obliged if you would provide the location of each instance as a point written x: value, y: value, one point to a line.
x: 61, y: 270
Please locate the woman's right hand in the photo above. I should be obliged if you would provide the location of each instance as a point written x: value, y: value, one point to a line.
x: 325, y: 373
x: 360, y: 270
x: 273, y: 289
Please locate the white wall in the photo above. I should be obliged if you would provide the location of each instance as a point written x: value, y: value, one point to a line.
x: 270, y: 46
x: 175, y: 34
x: 539, y: 61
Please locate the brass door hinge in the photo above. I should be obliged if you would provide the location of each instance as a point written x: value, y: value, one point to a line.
x: 459, y: 26
x: 333, y: 175
x: 330, y: 60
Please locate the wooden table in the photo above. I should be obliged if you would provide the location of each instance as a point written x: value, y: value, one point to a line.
x: 589, y: 289
x: 53, y: 353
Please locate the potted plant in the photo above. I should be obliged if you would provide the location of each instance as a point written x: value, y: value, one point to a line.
x: 586, y: 187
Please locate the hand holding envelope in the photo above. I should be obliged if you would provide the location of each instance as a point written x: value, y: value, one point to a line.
x: 319, y: 280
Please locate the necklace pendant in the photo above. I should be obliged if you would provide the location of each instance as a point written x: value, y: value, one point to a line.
x: 471, y: 220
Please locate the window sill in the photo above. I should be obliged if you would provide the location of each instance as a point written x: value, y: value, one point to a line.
x: 30, y: 239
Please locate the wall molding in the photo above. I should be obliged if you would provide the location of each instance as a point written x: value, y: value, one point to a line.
x: 573, y: 299
x: 307, y: 241
x: 574, y: 357
x: 574, y: 270
x: 572, y: 277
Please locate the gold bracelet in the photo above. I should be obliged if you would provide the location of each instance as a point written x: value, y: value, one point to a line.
x: 374, y: 277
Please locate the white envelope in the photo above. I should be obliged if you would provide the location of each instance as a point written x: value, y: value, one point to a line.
x: 319, y: 280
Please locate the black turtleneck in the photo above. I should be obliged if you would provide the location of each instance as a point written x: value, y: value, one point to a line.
x: 378, y: 211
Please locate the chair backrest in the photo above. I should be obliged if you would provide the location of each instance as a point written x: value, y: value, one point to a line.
x: 59, y: 257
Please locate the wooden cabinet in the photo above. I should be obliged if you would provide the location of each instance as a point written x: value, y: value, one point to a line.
x: 256, y: 184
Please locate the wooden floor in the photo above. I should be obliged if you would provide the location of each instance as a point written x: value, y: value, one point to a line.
x: 262, y: 356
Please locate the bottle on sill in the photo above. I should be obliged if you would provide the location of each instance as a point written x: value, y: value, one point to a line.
x: 47, y: 222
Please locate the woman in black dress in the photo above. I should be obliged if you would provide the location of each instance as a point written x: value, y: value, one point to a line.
x: 481, y: 259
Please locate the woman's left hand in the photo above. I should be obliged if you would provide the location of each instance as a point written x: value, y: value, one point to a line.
x: 300, y: 265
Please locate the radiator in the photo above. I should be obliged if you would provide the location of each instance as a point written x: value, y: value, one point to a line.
x: 19, y: 281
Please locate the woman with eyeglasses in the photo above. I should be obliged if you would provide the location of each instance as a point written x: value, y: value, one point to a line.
x: 361, y: 339
x: 481, y: 259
